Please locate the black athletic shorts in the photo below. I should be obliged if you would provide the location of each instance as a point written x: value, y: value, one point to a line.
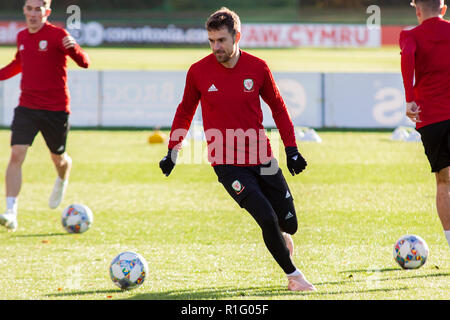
x: 436, y: 142
x: 54, y: 126
x: 241, y: 181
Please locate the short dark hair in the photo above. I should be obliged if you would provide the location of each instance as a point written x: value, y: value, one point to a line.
x: 224, y: 17
x: 433, y: 5
x: 46, y: 3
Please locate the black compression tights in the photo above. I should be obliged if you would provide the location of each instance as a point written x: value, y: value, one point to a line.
x: 261, y: 210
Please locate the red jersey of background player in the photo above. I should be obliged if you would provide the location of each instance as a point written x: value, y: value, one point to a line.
x: 230, y: 100
x: 42, y: 59
x: 426, y: 50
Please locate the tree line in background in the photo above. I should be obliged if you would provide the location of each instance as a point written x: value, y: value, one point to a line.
x: 351, y: 3
x: 202, y: 4
x: 153, y: 4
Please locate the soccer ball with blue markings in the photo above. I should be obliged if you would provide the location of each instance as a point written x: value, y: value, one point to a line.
x: 128, y: 270
x: 77, y: 218
x: 411, y: 252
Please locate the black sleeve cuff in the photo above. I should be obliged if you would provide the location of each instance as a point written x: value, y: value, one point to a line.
x: 291, y: 151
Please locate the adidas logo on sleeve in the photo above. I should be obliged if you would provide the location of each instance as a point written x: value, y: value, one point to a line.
x: 212, y: 88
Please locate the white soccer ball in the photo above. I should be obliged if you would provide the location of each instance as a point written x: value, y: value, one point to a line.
x: 77, y: 218
x: 128, y: 270
x: 411, y: 252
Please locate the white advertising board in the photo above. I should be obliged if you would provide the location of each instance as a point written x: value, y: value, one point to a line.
x: 85, y: 99
x: 83, y: 86
x: 309, y: 35
x: 11, y: 94
x: 358, y: 100
x: 150, y: 99
x: 141, y: 98
x: 302, y: 94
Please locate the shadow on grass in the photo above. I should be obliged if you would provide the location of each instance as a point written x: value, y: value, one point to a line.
x: 227, y: 293
x: 81, y: 293
x: 371, y: 270
x: 40, y: 235
x: 215, y: 293
x: 418, y: 276
x: 191, y: 294
x: 268, y: 292
x: 253, y: 293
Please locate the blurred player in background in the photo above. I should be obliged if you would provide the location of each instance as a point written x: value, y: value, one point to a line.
x: 229, y: 83
x: 425, y: 52
x: 44, y: 104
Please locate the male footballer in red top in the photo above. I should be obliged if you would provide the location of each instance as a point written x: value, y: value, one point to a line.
x: 425, y: 52
x: 229, y: 83
x: 44, y: 104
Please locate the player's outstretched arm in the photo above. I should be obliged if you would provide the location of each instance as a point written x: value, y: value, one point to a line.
x: 75, y: 52
x: 271, y: 95
x: 181, y: 123
x: 9, y: 71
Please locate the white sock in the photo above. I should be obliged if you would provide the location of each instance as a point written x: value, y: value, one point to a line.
x: 295, y: 273
x: 11, y: 203
x: 447, y: 235
x: 61, y: 181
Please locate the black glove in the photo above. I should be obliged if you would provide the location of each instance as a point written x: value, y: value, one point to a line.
x: 168, y: 162
x: 294, y: 160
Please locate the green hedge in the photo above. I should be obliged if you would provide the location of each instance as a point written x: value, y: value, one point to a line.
x: 212, y: 4
x: 90, y: 4
x: 351, y: 3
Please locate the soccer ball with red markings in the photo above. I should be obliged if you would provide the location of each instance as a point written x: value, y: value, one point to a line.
x: 128, y: 270
x: 77, y: 218
x: 411, y: 252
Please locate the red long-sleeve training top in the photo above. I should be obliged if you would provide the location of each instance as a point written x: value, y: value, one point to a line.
x: 42, y: 59
x: 231, y: 110
x: 425, y: 54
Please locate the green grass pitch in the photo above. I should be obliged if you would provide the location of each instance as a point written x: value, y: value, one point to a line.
x: 360, y: 193
x: 386, y: 59
x: 200, y: 245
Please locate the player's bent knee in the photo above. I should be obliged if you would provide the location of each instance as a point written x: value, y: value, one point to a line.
x: 288, y: 221
x: 17, y: 156
x: 257, y: 205
x: 61, y: 160
x: 291, y: 227
x: 270, y: 222
x: 443, y: 176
